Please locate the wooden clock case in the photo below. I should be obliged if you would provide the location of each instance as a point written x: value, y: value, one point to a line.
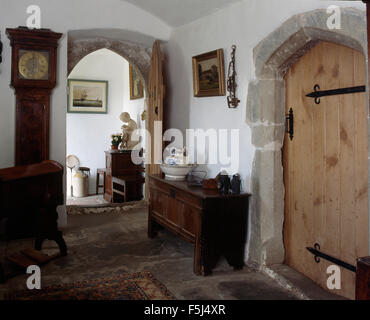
x: 32, y: 95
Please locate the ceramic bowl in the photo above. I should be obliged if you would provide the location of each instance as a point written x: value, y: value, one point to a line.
x: 176, y: 172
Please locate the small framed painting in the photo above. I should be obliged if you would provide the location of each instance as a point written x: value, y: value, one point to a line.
x: 87, y: 96
x: 209, y: 74
x: 136, y: 85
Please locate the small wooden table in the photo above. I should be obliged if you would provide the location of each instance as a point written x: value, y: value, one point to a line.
x: 215, y: 223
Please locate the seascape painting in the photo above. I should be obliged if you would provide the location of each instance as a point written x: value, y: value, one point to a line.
x: 87, y: 96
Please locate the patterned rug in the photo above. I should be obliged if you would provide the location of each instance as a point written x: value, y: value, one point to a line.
x: 137, y: 286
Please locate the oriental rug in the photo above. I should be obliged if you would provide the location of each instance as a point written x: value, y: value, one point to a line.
x: 137, y: 286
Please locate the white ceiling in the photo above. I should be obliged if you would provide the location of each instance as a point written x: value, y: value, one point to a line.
x: 179, y: 12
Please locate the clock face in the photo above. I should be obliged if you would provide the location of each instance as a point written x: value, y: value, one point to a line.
x: 33, y: 65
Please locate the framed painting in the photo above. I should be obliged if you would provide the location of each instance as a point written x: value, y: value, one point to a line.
x: 209, y: 74
x: 136, y: 85
x: 87, y: 96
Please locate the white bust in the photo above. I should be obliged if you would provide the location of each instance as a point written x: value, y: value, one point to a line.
x: 129, y: 126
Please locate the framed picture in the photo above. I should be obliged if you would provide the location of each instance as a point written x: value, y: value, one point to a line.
x: 87, y: 96
x: 209, y: 74
x: 136, y: 85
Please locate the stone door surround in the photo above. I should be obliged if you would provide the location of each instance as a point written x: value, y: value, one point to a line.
x: 266, y: 116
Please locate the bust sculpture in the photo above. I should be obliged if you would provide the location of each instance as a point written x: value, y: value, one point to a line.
x: 129, y: 126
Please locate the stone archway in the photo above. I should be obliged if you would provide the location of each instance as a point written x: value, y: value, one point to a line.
x: 266, y: 116
x: 122, y: 42
x: 135, y: 47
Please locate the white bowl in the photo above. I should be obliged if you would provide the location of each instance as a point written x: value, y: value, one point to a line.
x: 176, y: 172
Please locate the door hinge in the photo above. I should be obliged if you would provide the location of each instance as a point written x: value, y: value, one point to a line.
x: 289, y: 124
x: 317, y: 93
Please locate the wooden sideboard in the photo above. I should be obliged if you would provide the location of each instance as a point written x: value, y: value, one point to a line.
x: 216, y: 224
x: 120, y: 166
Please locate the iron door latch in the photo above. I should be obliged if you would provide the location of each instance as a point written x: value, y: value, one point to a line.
x: 289, y: 124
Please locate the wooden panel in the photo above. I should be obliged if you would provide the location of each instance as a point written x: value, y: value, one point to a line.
x: 180, y: 194
x: 155, y: 108
x: 347, y: 169
x: 319, y: 160
x: 174, y: 211
x: 325, y: 166
x: 189, y: 219
x: 361, y: 143
x: 32, y: 144
x: 158, y: 202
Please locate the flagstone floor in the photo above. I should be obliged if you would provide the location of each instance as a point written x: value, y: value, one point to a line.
x: 107, y: 244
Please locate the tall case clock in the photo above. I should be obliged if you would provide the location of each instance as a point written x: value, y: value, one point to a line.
x: 33, y: 76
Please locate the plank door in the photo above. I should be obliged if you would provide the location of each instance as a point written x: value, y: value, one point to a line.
x: 325, y: 165
x: 155, y: 109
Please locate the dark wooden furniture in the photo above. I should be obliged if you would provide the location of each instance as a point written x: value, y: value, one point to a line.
x: 120, y: 187
x: 33, y: 76
x: 216, y: 224
x: 363, y: 279
x: 100, y: 172
x: 29, y: 196
x: 128, y: 177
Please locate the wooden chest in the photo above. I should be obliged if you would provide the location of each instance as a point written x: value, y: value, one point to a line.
x: 216, y: 224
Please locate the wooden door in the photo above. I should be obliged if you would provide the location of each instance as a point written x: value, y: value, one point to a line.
x: 325, y: 165
x: 155, y: 109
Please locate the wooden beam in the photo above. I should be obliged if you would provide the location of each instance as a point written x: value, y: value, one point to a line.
x: 368, y: 34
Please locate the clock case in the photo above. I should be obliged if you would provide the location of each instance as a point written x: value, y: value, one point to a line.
x: 32, y: 96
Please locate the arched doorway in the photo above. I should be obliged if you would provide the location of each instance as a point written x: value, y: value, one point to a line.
x: 266, y: 115
x: 89, y: 132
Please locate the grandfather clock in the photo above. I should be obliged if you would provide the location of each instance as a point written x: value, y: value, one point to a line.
x: 33, y: 76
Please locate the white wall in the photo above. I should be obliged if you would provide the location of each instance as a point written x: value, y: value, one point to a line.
x: 62, y: 16
x: 244, y: 24
x: 88, y: 135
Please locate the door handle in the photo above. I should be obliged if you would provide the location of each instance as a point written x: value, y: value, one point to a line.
x: 289, y: 124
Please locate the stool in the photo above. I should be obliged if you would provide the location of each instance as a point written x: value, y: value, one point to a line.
x: 98, y: 173
x: 120, y: 186
x: 119, y: 190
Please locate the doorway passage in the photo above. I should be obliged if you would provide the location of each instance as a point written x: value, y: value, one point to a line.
x: 89, y: 133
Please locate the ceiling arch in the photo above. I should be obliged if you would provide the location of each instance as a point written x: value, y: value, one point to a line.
x: 180, y: 12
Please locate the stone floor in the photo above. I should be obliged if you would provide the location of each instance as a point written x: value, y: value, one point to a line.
x: 92, y: 200
x: 106, y: 244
